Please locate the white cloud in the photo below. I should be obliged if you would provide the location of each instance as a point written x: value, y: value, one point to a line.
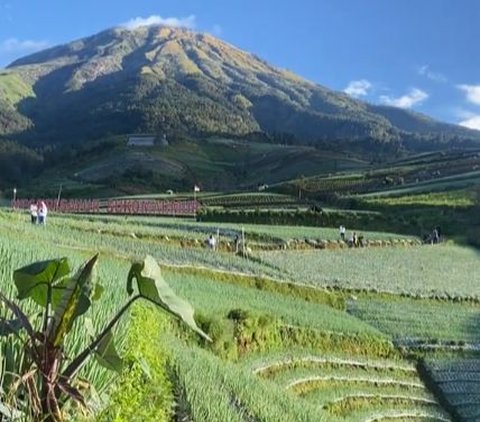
x: 472, y: 122
x: 468, y: 118
x: 14, y: 45
x: 429, y: 74
x: 414, y: 96
x: 358, y: 88
x: 472, y: 92
x: 186, y: 22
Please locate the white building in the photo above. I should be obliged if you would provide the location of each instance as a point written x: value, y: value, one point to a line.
x: 141, y: 141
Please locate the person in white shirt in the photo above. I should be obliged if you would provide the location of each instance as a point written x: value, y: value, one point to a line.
x: 42, y: 213
x: 212, y: 242
x: 33, y: 213
x: 342, y: 232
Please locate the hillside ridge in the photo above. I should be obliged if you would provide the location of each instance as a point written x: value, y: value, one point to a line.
x: 164, y: 79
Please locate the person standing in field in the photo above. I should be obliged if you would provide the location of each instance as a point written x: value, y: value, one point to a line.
x: 435, y: 236
x: 42, y: 213
x: 212, y: 242
x: 237, y: 243
x: 34, y: 213
x: 342, y: 232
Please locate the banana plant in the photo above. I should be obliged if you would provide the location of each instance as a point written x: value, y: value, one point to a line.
x: 46, y: 378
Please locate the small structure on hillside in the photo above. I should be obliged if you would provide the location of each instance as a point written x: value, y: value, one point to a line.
x: 141, y: 140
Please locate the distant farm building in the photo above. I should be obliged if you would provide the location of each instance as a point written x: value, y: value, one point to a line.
x: 141, y: 141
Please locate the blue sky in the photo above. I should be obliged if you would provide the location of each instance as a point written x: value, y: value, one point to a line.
x: 418, y: 54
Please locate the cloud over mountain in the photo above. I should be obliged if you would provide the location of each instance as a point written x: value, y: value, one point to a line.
x: 472, y: 93
x: 358, y: 88
x: 185, y: 22
x: 472, y: 122
x: 413, y: 97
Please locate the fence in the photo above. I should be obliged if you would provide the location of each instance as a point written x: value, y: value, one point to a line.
x: 114, y: 206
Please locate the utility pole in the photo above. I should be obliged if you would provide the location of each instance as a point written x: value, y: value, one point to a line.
x: 59, y: 194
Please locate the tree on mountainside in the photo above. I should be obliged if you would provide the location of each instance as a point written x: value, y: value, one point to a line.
x: 17, y: 163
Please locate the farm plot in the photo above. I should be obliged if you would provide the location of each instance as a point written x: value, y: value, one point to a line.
x: 189, y: 229
x: 458, y: 198
x: 199, y: 291
x: 349, y: 382
x: 458, y: 381
x: 408, y: 319
x: 249, y: 200
x: 130, y: 247
x: 350, y: 388
x: 221, y: 391
x: 443, y: 270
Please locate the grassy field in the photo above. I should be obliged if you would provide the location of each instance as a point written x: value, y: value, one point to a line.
x: 13, y: 88
x: 440, y: 270
x: 435, y: 321
x: 280, y: 350
x: 458, y: 199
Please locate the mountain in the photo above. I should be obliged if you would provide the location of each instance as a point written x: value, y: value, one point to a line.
x: 169, y: 80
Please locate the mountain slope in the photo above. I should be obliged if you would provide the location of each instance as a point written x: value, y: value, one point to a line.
x: 160, y: 79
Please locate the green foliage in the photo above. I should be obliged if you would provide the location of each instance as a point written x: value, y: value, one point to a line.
x: 152, y: 286
x: 244, y: 331
x: 222, y: 333
x: 247, y: 315
x: 46, y: 378
x: 17, y: 162
x: 441, y: 271
x: 13, y: 88
x: 220, y: 391
x: 334, y: 299
x: 181, y: 86
x: 296, y: 218
x: 412, y: 319
x: 144, y: 391
x: 36, y: 279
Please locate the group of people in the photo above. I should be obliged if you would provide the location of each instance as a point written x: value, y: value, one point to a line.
x: 38, y: 213
x: 354, y: 240
x: 211, y: 243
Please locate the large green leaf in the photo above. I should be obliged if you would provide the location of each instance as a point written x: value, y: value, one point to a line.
x: 75, y: 301
x: 33, y: 280
x: 152, y: 286
x: 107, y: 355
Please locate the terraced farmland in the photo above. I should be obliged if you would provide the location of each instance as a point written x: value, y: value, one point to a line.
x: 457, y: 382
x: 351, y: 388
x: 433, y: 322
x: 324, y: 335
x: 443, y: 271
